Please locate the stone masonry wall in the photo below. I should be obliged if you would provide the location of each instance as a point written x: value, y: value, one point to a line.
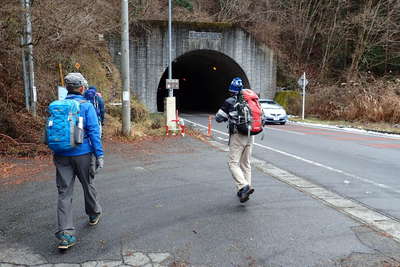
x: 149, y: 56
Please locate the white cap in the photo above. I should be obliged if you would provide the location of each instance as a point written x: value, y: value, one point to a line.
x: 75, y: 79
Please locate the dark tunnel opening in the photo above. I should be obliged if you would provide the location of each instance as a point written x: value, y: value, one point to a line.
x: 204, y: 77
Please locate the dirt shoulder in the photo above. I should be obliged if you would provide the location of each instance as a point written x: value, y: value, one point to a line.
x: 16, y: 170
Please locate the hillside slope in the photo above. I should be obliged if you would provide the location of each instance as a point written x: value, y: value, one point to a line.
x: 349, y: 49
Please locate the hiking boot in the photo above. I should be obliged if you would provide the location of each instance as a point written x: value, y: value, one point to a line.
x: 66, y: 241
x: 251, y: 191
x: 244, y: 193
x: 94, y: 219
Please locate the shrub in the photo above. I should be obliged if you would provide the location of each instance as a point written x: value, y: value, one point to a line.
x: 139, y: 112
x: 157, y: 120
x: 363, y: 102
x: 114, y: 111
x: 290, y: 100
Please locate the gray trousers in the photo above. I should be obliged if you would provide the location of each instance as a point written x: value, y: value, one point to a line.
x: 240, y: 148
x: 68, y: 168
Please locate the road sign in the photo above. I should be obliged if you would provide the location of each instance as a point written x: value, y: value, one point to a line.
x: 61, y: 92
x: 77, y: 66
x: 302, y: 82
x: 172, y: 83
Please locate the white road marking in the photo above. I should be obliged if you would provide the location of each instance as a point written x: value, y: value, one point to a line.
x: 355, y: 210
x: 365, y: 180
x: 347, y: 130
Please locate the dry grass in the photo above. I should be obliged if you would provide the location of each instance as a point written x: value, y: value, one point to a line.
x: 68, y: 33
x: 143, y: 123
x: 358, y: 102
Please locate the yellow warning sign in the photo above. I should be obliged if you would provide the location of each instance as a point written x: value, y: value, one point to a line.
x: 77, y: 66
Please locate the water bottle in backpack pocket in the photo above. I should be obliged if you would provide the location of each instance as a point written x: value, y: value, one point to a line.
x: 78, y: 133
x: 64, y: 128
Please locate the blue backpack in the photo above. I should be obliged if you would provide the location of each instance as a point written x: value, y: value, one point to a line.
x: 92, y: 96
x: 64, y: 128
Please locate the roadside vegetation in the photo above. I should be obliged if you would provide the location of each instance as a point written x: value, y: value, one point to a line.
x: 350, y: 51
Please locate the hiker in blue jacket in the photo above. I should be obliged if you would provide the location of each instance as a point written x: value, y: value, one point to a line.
x: 98, y: 102
x: 81, y: 161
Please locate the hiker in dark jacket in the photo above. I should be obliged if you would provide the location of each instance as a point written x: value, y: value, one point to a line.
x: 240, y: 145
x: 81, y: 162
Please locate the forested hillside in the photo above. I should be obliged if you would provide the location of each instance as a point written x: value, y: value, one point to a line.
x: 350, y: 50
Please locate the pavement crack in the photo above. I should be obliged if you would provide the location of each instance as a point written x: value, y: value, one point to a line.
x: 372, y: 239
x: 122, y: 252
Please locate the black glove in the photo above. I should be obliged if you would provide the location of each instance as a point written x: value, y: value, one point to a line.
x: 99, y: 163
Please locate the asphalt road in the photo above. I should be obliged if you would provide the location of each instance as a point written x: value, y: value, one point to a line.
x: 174, y: 199
x: 361, y: 166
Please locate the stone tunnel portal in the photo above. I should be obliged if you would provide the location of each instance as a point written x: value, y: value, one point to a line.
x: 204, y: 77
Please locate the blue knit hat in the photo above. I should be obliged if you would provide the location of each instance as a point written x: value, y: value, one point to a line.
x: 236, y: 85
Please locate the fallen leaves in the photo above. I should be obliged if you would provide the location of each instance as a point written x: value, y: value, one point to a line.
x: 14, y: 170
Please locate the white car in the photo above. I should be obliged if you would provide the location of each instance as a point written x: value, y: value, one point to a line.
x: 274, y: 112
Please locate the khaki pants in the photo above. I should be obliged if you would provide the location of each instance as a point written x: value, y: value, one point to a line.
x: 240, y: 147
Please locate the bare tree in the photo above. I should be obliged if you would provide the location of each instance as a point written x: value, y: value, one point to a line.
x: 376, y: 25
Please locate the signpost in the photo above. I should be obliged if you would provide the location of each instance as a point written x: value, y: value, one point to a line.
x: 302, y: 82
x: 172, y: 84
x: 170, y: 104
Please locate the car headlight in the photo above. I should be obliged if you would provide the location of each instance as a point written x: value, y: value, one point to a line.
x: 267, y: 112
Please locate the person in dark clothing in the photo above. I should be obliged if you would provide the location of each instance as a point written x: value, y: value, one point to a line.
x: 240, y: 145
x: 81, y: 162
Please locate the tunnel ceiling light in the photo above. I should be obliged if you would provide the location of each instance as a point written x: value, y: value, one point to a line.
x: 214, y: 68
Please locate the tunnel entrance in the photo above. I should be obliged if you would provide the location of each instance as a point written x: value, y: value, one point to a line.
x: 204, y: 77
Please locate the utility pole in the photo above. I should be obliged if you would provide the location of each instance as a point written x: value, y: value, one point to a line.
x: 126, y: 99
x: 25, y: 71
x: 170, y: 90
x: 29, y: 75
x: 170, y: 102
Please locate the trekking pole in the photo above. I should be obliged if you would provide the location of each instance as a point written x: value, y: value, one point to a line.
x: 209, y: 126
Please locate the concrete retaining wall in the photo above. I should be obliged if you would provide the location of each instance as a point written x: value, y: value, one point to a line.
x: 149, y: 55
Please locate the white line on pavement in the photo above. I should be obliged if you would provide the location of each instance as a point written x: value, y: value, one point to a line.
x: 346, y: 130
x: 365, y: 180
x: 357, y: 211
x: 346, y: 206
